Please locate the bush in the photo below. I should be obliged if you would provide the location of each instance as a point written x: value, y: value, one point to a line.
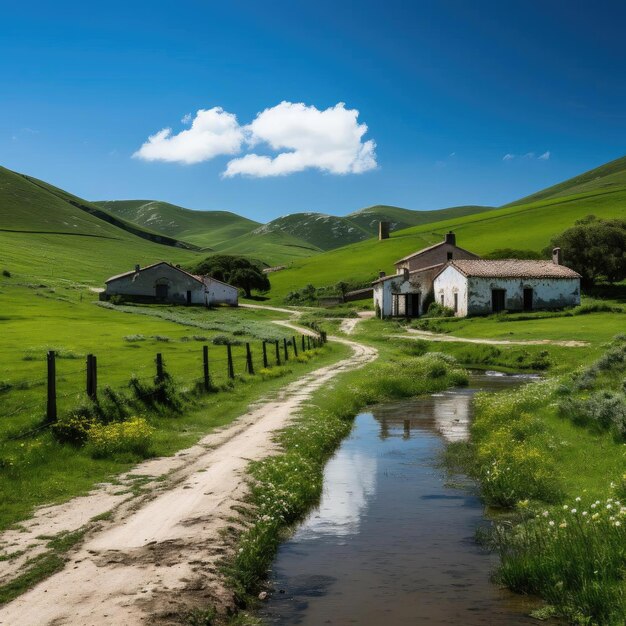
x: 605, y: 409
x: 223, y: 340
x: 74, y: 428
x: 438, y: 310
x: 133, y: 338
x: 116, y: 299
x: 132, y: 436
x: 6, y: 273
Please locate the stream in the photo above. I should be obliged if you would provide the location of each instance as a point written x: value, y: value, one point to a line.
x: 392, y: 542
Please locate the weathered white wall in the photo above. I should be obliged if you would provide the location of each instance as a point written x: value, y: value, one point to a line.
x: 221, y: 293
x: 449, y: 282
x: 548, y: 293
x: 475, y: 293
x: 419, y: 282
x: 144, y: 284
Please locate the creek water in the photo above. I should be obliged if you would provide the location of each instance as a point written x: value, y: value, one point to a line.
x: 392, y: 542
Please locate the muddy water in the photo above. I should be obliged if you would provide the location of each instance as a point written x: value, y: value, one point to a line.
x: 391, y: 542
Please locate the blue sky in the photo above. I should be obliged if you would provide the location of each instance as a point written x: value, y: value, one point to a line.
x: 446, y: 89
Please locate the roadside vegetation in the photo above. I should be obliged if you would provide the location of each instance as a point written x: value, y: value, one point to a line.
x: 554, y: 453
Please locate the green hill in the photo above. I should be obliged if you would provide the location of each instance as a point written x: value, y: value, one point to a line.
x: 205, y: 229
x: 48, y: 234
x: 527, y: 225
x: 369, y: 217
x: 325, y: 232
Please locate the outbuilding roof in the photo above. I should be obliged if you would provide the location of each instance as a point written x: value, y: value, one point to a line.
x: 433, y: 247
x: 511, y: 268
x: 147, y: 267
x: 412, y: 273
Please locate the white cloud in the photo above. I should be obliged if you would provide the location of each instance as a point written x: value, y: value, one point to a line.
x: 529, y: 155
x: 213, y: 132
x: 508, y: 157
x: 545, y: 156
x: 186, y: 119
x: 328, y: 140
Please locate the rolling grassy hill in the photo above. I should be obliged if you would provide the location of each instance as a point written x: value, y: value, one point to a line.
x: 47, y: 235
x: 528, y: 225
x: 369, y: 217
x: 205, y: 229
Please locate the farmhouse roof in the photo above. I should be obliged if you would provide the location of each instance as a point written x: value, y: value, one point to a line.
x: 428, y: 249
x: 147, y: 267
x: 412, y: 273
x: 511, y: 268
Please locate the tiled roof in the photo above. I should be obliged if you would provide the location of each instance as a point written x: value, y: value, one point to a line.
x: 411, y: 274
x: 147, y: 267
x: 512, y: 268
x: 433, y: 247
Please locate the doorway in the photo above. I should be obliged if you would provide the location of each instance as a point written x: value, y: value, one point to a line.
x: 497, y: 300
x: 414, y: 305
x: 528, y: 299
x: 161, y: 292
x: 188, y: 298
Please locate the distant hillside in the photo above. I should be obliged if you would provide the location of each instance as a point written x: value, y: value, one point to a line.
x: 46, y: 233
x: 603, y: 179
x: 202, y: 228
x: 527, y: 226
x: 399, y: 218
x: 325, y: 232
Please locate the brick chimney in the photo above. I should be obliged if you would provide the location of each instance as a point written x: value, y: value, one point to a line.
x: 450, y: 238
x: 381, y: 274
x: 383, y: 230
x: 557, y: 257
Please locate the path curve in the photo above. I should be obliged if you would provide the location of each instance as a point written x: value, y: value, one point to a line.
x: 157, y: 558
x: 428, y: 336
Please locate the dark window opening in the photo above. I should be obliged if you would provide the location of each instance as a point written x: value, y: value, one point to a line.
x: 161, y: 292
x: 528, y: 299
x: 449, y: 256
x: 188, y: 298
x: 442, y: 300
x: 456, y: 302
x: 497, y: 300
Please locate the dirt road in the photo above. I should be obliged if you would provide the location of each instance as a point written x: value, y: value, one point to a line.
x: 428, y: 336
x: 156, y: 558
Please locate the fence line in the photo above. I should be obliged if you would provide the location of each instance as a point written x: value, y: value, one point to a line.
x: 209, y: 366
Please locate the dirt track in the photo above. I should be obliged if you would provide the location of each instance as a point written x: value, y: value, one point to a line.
x: 156, y: 558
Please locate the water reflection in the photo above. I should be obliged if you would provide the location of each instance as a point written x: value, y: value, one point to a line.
x: 390, y: 543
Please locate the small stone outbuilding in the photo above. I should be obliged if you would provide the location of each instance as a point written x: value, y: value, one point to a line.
x: 481, y: 287
x: 164, y: 282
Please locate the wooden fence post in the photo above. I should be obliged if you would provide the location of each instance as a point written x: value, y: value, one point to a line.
x: 205, y: 368
x: 285, y: 349
x: 295, y: 346
x: 308, y: 342
x: 303, y: 344
x: 94, y: 377
x: 265, y: 363
x: 229, y: 354
x: 159, y: 368
x: 88, y: 369
x: 277, y: 352
x: 51, y: 408
x: 249, y: 360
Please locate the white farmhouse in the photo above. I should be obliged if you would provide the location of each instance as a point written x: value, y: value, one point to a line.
x: 164, y: 282
x: 480, y: 287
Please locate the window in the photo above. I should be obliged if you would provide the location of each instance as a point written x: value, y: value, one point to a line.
x: 498, y: 297
x: 449, y: 256
x: 441, y: 299
x: 456, y: 302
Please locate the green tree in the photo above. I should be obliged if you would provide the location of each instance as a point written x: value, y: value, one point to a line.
x: 234, y: 270
x: 595, y: 248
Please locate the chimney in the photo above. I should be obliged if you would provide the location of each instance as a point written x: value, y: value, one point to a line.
x: 137, y: 267
x: 450, y: 238
x: 383, y: 230
x: 557, y: 257
x: 381, y: 274
x: 405, y: 273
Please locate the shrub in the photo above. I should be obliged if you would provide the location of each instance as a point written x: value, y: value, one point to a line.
x: 74, y: 428
x: 134, y: 436
x: 116, y: 299
x: 6, y: 273
x: 223, y: 340
x: 133, y: 338
x: 605, y: 409
x: 438, y: 310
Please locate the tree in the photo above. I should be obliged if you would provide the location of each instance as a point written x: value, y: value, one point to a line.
x: 235, y: 270
x: 595, y: 248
